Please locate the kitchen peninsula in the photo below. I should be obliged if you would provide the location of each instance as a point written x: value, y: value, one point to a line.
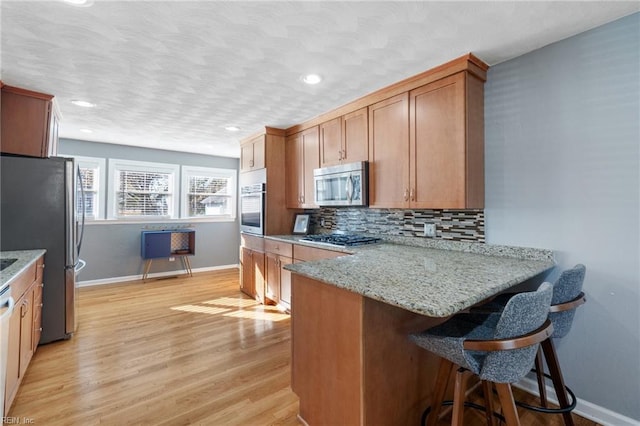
x: 352, y: 362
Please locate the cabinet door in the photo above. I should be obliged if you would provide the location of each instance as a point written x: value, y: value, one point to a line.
x: 294, y: 173
x: 37, y: 314
x: 311, y: 157
x: 302, y: 157
x: 355, y: 141
x: 26, y: 330
x: 25, y: 122
x: 273, y: 277
x: 246, y: 273
x: 331, y: 150
x: 285, y: 282
x: 389, y: 152
x: 259, y: 279
x: 252, y: 154
x: 438, y: 155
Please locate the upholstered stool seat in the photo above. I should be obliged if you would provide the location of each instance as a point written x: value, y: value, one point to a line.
x: 499, y: 348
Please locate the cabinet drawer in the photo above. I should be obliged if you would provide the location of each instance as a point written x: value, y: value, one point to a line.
x: 278, y: 247
x: 306, y: 253
x: 252, y: 242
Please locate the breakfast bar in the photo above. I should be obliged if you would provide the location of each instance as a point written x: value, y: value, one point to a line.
x: 352, y: 362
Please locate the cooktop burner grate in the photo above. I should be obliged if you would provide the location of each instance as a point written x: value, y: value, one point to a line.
x: 341, y: 239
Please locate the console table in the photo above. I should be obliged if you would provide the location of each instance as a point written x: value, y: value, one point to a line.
x: 168, y: 244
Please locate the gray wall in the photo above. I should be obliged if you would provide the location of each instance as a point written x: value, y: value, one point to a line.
x: 112, y: 250
x: 562, y: 172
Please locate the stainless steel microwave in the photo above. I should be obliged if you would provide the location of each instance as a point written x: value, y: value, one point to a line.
x: 342, y: 185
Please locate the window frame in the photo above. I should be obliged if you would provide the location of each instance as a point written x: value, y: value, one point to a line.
x: 118, y: 165
x: 99, y: 164
x: 190, y: 171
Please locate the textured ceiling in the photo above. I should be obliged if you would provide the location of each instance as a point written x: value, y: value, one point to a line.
x: 173, y: 74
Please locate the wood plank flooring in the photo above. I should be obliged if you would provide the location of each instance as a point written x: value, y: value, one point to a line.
x: 176, y: 351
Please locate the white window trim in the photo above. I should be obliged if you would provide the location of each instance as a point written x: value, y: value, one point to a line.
x: 188, y: 171
x: 115, y: 165
x: 100, y: 164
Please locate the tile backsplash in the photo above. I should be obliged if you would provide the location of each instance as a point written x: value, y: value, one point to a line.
x: 456, y: 225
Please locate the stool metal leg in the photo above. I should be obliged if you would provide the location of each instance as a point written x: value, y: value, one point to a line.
x: 442, y: 379
x: 557, y: 379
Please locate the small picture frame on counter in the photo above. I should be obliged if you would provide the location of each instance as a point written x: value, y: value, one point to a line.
x: 301, y: 224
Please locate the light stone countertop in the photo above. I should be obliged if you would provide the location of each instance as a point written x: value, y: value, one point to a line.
x: 435, y: 278
x: 24, y: 259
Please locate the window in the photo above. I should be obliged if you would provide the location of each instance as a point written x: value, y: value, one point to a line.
x: 142, y: 190
x: 93, y: 183
x: 208, y: 193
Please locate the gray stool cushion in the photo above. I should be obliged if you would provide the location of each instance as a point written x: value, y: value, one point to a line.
x: 523, y: 313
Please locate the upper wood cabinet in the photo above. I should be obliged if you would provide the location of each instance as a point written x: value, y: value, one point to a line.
x: 29, y: 123
x: 262, y: 158
x: 302, y: 157
x: 389, y: 152
x: 252, y: 153
x: 447, y: 144
x: 344, y: 139
x: 426, y: 147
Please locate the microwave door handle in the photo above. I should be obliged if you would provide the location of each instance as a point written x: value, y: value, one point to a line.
x: 349, y: 188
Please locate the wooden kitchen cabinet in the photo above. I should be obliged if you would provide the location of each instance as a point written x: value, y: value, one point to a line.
x: 252, y: 267
x: 345, y: 139
x: 426, y: 146
x: 446, y: 154
x: 24, y: 327
x: 305, y: 253
x: 278, y: 286
x: 29, y: 123
x: 252, y: 153
x: 302, y: 157
x: 389, y: 152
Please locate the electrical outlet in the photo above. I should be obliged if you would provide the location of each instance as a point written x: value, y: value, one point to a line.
x: 172, y: 259
x: 429, y: 229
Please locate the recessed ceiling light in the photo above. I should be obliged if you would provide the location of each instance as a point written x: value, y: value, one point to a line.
x: 86, y: 130
x: 232, y: 128
x: 79, y: 3
x: 84, y: 104
x: 312, y: 79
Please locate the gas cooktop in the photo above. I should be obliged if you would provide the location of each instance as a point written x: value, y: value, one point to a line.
x: 341, y: 239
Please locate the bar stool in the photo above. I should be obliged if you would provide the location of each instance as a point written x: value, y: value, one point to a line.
x: 567, y: 296
x: 500, y: 348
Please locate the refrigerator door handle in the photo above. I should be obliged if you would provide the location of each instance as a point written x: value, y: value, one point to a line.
x: 70, y: 243
x: 82, y: 210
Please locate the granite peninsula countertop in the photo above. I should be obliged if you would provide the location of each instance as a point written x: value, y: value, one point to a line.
x: 24, y: 259
x: 435, y: 278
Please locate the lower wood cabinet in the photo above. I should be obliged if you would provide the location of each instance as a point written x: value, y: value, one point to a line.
x: 252, y: 270
x: 278, y: 286
x: 24, y: 327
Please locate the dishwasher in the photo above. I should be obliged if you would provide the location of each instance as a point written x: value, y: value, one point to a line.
x: 6, y: 308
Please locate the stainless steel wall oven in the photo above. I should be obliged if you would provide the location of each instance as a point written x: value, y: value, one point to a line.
x: 252, y: 203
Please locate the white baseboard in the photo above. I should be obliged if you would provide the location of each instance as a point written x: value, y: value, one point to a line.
x: 113, y: 280
x: 583, y: 408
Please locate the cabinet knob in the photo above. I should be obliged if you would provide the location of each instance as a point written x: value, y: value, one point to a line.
x: 413, y: 194
x: 340, y: 155
x: 406, y: 195
x: 250, y: 163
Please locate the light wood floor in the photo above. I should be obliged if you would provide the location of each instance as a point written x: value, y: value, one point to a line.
x: 173, y: 352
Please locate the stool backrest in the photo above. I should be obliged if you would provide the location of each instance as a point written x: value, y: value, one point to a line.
x: 567, y: 287
x: 522, y: 314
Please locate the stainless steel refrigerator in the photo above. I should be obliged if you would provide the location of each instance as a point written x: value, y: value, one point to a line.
x: 38, y: 210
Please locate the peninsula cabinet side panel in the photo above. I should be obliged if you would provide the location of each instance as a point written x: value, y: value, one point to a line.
x: 398, y: 375
x: 326, y: 352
